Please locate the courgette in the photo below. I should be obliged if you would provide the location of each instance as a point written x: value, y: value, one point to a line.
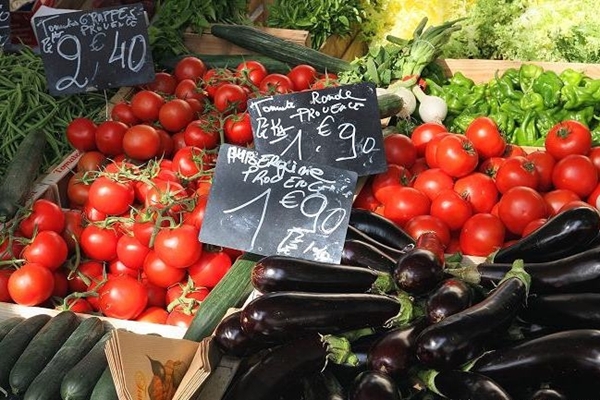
x: 105, y: 387
x: 272, y: 46
x: 41, y: 349
x: 21, y: 173
x: 46, y: 386
x: 7, y: 325
x: 15, y: 342
x: 79, y: 381
x: 232, y: 289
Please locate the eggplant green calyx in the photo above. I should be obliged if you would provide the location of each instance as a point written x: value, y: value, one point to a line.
x: 339, y: 350
x: 518, y: 271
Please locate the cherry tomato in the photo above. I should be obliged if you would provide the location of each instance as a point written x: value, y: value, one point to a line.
x: 99, y: 243
x: 251, y: 71
x: 111, y: 197
x: 189, y: 67
x: 517, y: 171
x: 276, y: 83
x: 302, y: 76
x: 568, y: 137
x: 45, y: 216
x: 122, y: 112
x: 432, y: 182
x: 519, y: 206
x: 210, y: 268
x: 481, y: 235
x: 141, y: 142
x: 423, y: 133
x: 400, y: 150
x: 486, y: 137
x: 405, y: 203
x: 160, y: 273
x: 179, y: 246
x: 31, y: 284
x: 456, y: 155
x: 109, y: 137
x: 122, y: 297
x: 81, y: 134
x: 146, y: 105
x: 238, y: 129
x: 479, y: 189
x: 577, y: 173
x: 48, y: 249
x: 451, y: 208
x: 175, y: 115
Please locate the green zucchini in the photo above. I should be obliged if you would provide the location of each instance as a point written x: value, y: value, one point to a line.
x: 233, y: 289
x: 15, y: 342
x: 21, y: 173
x: 105, y: 387
x: 41, y: 349
x: 231, y: 61
x: 272, y: 46
x: 46, y: 386
x: 7, y: 325
x: 389, y: 104
x: 79, y: 381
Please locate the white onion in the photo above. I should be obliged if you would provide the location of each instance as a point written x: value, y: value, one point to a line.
x: 409, y: 102
x: 431, y: 108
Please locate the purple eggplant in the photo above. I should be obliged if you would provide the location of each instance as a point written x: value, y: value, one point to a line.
x: 458, y: 385
x: 353, y: 233
x: 466, y: 334
x: 323, y: 386
x: 232, y: 340
x: 451, y: 296
x: 281, y: 273
x: 373, y: 385
x: 564, y: 311
x: 547, y: 394
x: 362, y: 254
x: 568, y: 361
x: 380, y: 228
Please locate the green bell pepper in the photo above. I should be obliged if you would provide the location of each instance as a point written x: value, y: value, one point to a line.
x: 527, y: 75
x: 460, y: 80
x: 506, y: 89
x: 571, y: 77
x: 532, y: 101
x: 584, y: 115
x: 577, y: 97
x: 548, y: 85
x: 526, y: 134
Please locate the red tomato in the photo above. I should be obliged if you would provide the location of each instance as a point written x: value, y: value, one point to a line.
x: 195, y: 217
x: 230, y: 98
x: 86, y: 272
x: 519, y: 206
x: 513, y: 150
x: 419, y: 166
x: 78, y: 305
x: 404, y: 204
x: 486, y: 137
x: 557, y: 198
x: 544, y: 164
x: 141, y: 142
x: 188, y: 161
x: 91, y: 161
x: 180, y: 318
x: 189, y: 67
x: 61, y: 285
x: 188, y: 89
x: 186, y: 294
x: 276, y: 84
x: 432, y: 147
x: 251, y: 72
x: 73, y: 228
x: 568, y: 137
x: 517, y: 171
x: 160, y: 273
x: 479, y: 189
x: 175, y: 115
x: 385, y: 183
x: 365, y: 199
x: 99, y: 243
x: 302, y: 76
x: 423, y: 133
x: 210, y: 268
x: 156, y: 294
x: 166, y: 144
x: 420, y: 224
x: 238, y: 129
x: 533, y: 225
x: 456, y: 156
x: 594, y: 156
x: 4, y: 276
x: 77, y: 190
x: 214, y: 78
x: 164, y: 83
x: 122, y: 112
x: 400, y: 150
x: 594, y: 197
x: 146, y: 105
x: 153, y: 315
x: 109, y: 137
x: 432, y: 182
x: 45, y: 216
x: 131, y: 252
x: 179, y: 247
x: 116, y: 267
x: 48, y: 249
x: 202, y: 133
x: 490, y: 166
x: 164, y: 194
x: 577, y: 173
x: 81, y: 134
x: 31, y: 284
x: 481, y: 235
x: 122, y: 297
x: 111, y: 197
x: 452, y: 208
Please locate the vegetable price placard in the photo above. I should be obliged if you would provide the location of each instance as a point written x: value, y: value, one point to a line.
x: 268, y: 205
x: 4, y: 23
x: 338, y: 126
x: 99, y: 49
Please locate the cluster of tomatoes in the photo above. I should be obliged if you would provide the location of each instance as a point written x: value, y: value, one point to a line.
x: 126, y: 244
x: 476, y: 191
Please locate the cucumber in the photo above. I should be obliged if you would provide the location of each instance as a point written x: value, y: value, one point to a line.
x: 389, y: 104
x: 79, y: 381
x: 7, y: 325
x: 41, y: 349
x: 231, y: 61
x: 232, y: 289
x: 15, y: 342
x: 105, y: 387
x: 21, y: 173
x: 46, y: 386
x: 272, y: 46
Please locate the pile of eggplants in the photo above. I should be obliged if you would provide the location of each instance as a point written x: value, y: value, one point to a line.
x: 394, y: 320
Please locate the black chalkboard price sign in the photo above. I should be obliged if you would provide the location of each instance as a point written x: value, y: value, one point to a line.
x: 268, y: 205
x: 4, y: 23
x: 97, y: 49
x: 338, y: 126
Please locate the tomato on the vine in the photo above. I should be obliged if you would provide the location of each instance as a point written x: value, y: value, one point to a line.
x: 45, y: 216
x: 178, y: 246
x: 48, y: 248
x: 122, y: 297
x: 251, y: 71
x: 5, y: 274
x: 230, y: 98
x: 175, y: 115
x: 276, y: 83
x: 81, y: 134
x: 131, y: 252
x: 568, y: 137
x: 202, y: 133
x: 189, y: 161
x: 189, y: 67
x: 210, y: 268
x: 238, y: 129
x: 31, y: 284
x: 179, y: 317
x: 302, y: 76
x: 153, y: 315
x: 86, y: 272
x: 99, y: 243
x: 141, y: 142
x: 160, y: 273
x: 111, y: 197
